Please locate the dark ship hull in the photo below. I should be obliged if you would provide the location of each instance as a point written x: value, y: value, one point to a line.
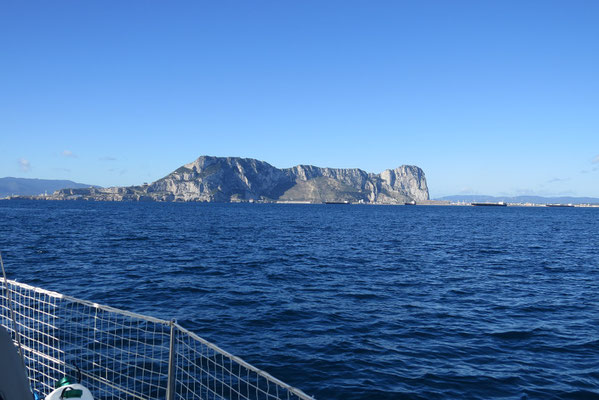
x: 500, y: 204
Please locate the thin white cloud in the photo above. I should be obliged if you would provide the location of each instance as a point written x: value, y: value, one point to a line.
x: 107, y: 158
x: 25, y: 165
x: 69, y: 154
x: 525, y: 192
x: 596, y: 159
x: 554, y: 180
x: 121, y: 172
x: 566, y: 193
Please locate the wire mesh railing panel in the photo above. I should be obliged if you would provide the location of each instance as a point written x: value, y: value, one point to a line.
x: 36, y: 320
x: 123, y: 355
x: 204, y: 371
x: 116, y: 354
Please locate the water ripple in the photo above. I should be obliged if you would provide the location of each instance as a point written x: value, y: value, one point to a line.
x: 358, y: 302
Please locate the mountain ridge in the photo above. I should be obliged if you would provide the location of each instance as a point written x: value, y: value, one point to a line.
x: 10, y: 186
x: 236, y: 179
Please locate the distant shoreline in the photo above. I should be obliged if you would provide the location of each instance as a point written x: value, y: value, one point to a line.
x: 445, y: 203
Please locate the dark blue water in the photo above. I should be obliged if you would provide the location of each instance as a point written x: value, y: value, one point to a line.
x: 344, y: 302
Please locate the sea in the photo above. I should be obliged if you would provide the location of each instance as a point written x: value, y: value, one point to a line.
x: 342, y: 301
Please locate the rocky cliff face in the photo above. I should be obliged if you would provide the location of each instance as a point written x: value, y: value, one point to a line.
x: 231, y: 179
x: 223, y: 180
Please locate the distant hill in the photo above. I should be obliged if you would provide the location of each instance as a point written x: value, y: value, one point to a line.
x: 32, y: 187
x: 522, y: 199
x: 234, y: 179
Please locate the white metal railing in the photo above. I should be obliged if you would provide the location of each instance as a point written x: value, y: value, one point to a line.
x: 123, y: 355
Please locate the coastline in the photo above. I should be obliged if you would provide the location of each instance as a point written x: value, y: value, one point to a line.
x: 445, y: 203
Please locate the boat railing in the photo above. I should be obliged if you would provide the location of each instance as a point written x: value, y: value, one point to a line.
x: 123, y: 355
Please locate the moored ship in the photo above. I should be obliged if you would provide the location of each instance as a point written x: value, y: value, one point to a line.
x: 489, y: 204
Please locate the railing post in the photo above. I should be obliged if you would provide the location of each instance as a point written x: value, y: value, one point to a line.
x: 170, y: 385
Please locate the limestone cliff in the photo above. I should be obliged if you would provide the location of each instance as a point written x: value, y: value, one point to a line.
x: 231, y: 179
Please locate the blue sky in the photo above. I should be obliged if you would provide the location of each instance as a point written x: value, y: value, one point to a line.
x: 488, y: 97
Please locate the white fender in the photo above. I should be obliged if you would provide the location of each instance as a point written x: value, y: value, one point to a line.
x: 61, y: 393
